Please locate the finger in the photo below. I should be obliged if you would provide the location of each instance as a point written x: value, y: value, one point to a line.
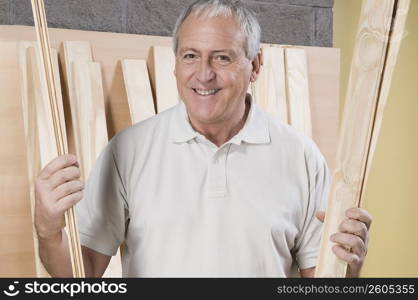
x: 350, y: 241
x: 68, y: 201
x: 64, y: 175
x: 354, y: 227
x: 56, y: 164
x: 359, y: 214
x: 320, y: 215
x: 68, y: 188
x: 351, y: 258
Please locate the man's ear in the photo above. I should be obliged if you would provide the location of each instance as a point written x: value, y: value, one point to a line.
x: 256, y: 63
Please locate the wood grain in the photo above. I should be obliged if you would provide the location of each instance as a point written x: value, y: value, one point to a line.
x: 161, y: 62
x: 16, y: 237
x: 39, y: 132
x: 297, y: 90
x: 90, y: 109
x: 41, y: 26
x: 396, y: 37
x: 269, y: 90
x: 69, y: 52
x: 138, y: 89
x: 369, y: 81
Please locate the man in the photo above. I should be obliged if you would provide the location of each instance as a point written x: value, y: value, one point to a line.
x: 211, y: 187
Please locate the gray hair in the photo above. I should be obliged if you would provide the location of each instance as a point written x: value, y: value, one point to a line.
x: 213, y: 8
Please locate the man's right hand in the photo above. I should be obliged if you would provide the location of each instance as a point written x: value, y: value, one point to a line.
x: 57, y: 188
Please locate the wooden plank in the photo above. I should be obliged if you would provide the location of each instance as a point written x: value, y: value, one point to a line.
x: 161, y: 62
x: 324, y: 74
x: 397, y: 34
x: 39, y: 133
x: 297, y: 89
x: 69, y: 52
x: 369, y: 82
x: 28, y: 112
x: 269, y: 91
x: 32, y: 141
x: 15, y: 257
x: 89, y: 104
x: 42, y: 34
x: 16, y: 238
x: 138, y: 89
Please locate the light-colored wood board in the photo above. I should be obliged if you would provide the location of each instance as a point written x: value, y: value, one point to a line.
x: 16, y: 243
x: 38, y: 96
x: 161, y: 63
x: 28, y: 111
x: 41, y: 27
x: 269, y: 90
x: 29, y: 74
x: 89, y: 104
x: 397, y: 35
x: 50, y: 120
x: 359, y: 126
x: 324, y: 94
x: 11, y: 180
x: 138, y: 89
x: 69, y: 52
x: 297, y: 90
x: 16, y: 249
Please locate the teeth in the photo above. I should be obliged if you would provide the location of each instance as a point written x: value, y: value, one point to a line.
x: 206, y: 92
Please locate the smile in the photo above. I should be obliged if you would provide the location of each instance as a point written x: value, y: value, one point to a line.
x: 206, y: 92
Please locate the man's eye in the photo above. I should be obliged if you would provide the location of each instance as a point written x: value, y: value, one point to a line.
x: 222, y: 59
x: 189, y: 56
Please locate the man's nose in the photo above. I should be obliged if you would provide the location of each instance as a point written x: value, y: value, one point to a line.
x: 205, y: 71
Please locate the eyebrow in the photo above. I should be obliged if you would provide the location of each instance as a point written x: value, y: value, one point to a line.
x: 230, y: 52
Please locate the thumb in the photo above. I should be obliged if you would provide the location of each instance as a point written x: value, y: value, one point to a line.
x: 320, y: 215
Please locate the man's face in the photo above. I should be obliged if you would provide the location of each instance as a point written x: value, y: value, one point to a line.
x: 212, y: 70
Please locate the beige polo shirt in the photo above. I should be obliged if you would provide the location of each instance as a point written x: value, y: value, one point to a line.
x: 187, y: 208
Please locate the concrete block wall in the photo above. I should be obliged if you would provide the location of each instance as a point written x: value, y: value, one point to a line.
x: 297, y: 22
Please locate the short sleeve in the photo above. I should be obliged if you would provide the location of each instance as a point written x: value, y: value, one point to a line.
x: 308, y: 242
x: 103, y: 212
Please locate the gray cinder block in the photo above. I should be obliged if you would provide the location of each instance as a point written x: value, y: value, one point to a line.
x: 4, y: 11
x: 312, y: 3
x: 323, y: 27
x: 99, y: 15
x: 298, y: 22
x: 154, y: 17
x: 285, y: 24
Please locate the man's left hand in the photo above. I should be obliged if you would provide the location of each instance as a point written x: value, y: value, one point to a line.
x: 352, y: 238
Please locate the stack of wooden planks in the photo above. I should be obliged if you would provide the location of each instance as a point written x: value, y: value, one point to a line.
x: 282, y: 87
x: 115, y: 80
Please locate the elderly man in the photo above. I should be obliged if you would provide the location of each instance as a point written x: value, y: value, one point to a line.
x: 212, y: 187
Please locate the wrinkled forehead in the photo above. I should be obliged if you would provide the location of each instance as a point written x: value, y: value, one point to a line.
x: 203, y: 30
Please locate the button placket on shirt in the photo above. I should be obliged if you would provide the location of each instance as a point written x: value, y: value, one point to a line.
x: 217, y: 183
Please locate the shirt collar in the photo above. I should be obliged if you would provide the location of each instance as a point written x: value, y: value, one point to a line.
x: 254, y: 131
x: 181, y: 130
